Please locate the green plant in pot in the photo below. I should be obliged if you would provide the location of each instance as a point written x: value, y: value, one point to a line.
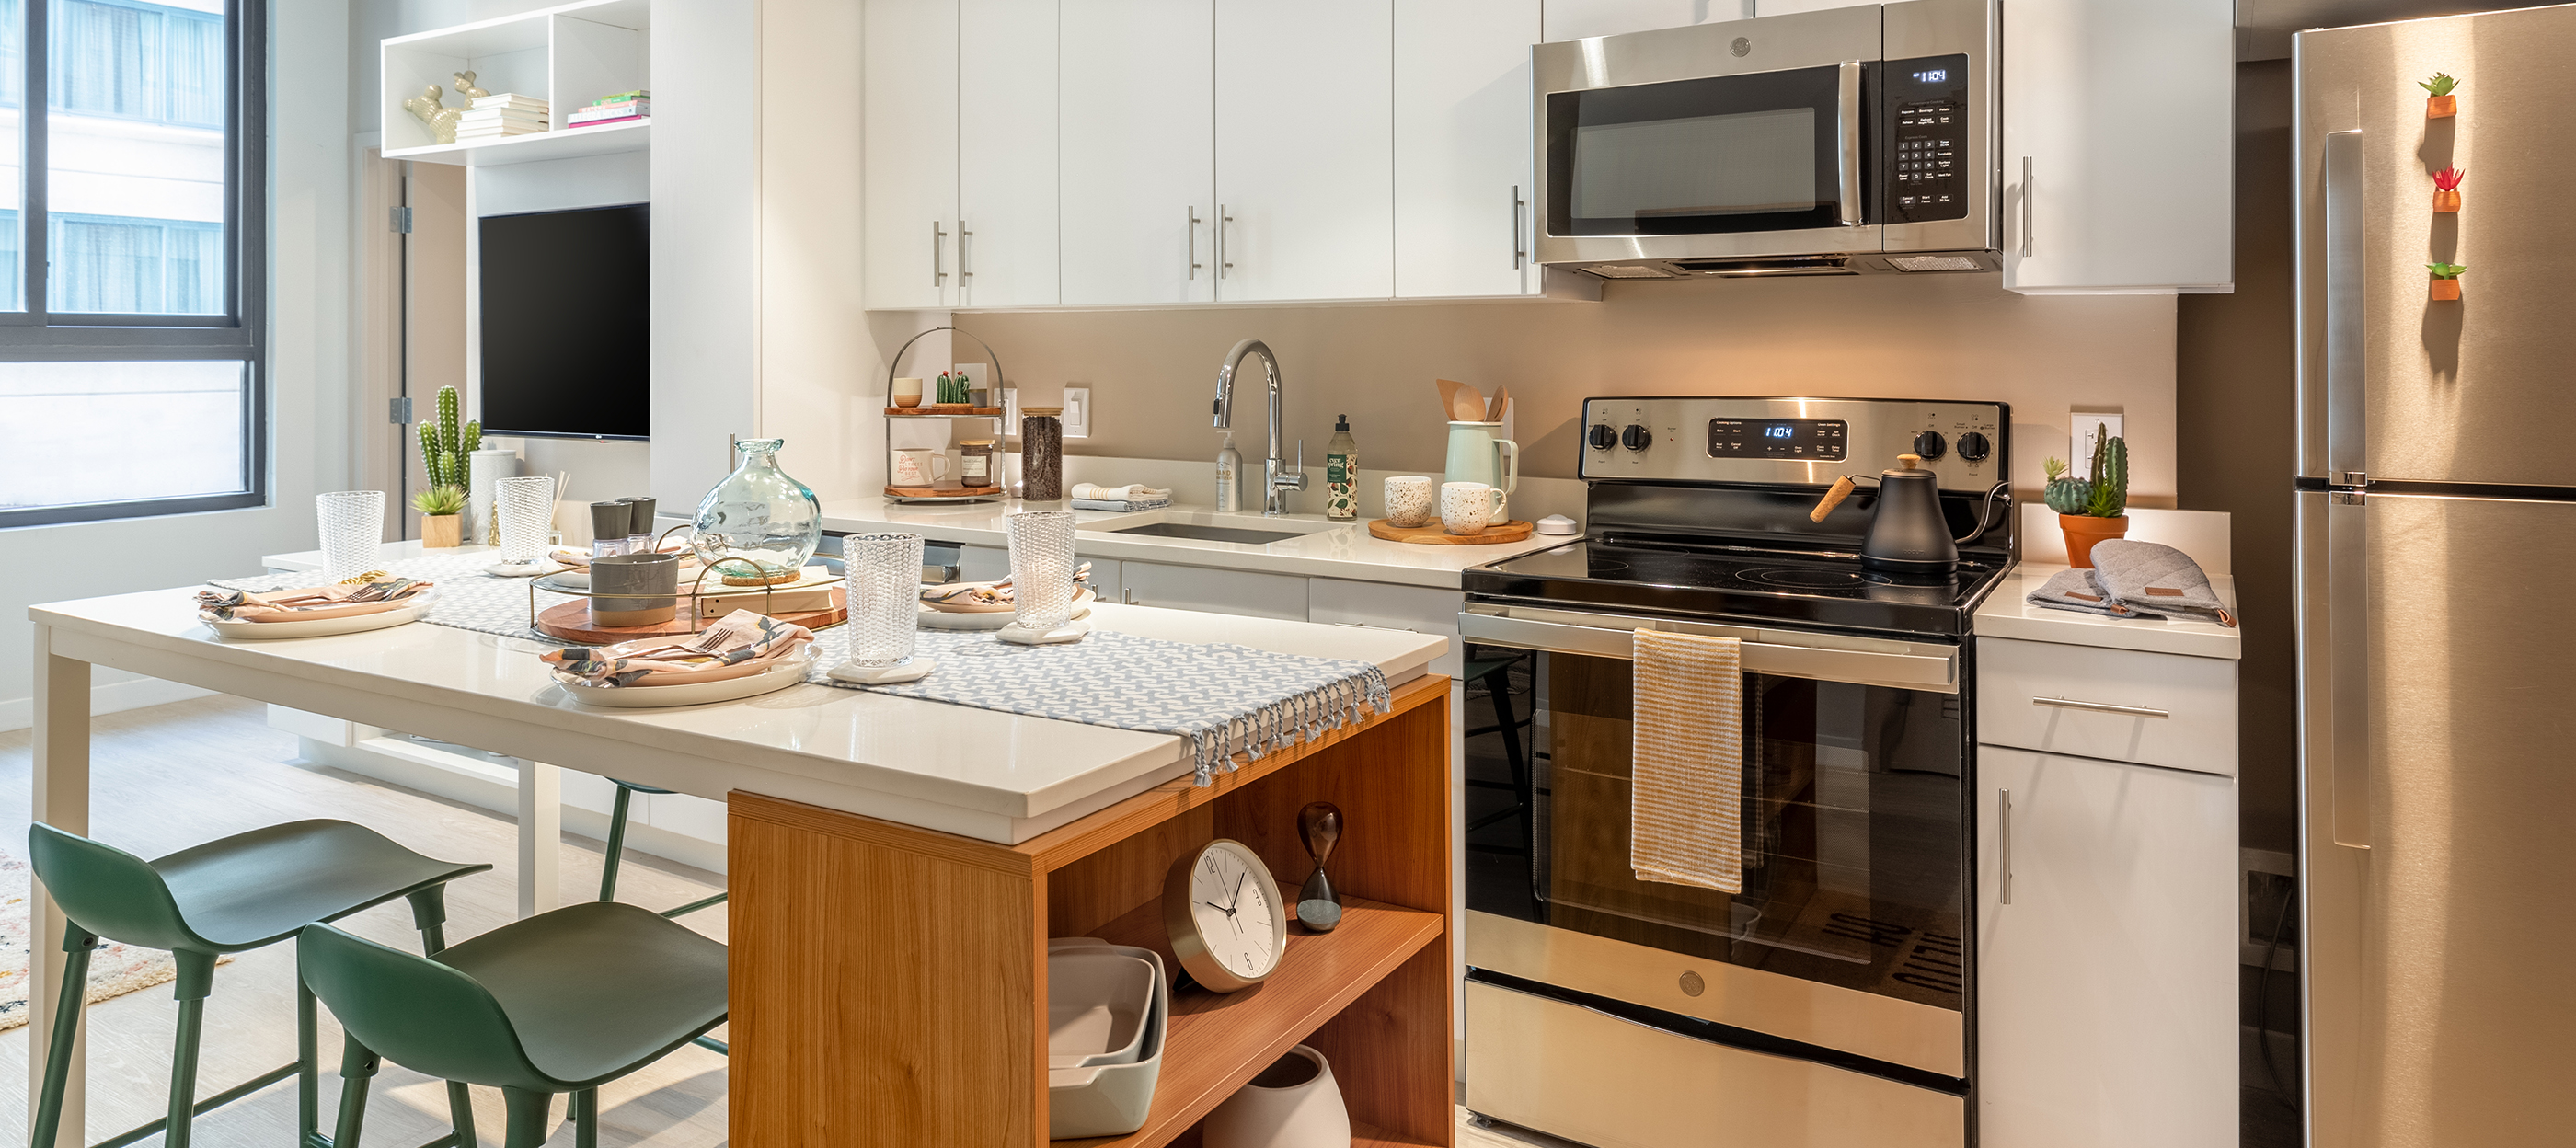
x: 2093, y: 508
x: 440, y: 508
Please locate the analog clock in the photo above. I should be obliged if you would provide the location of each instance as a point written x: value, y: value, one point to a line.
x: 1224, y: 915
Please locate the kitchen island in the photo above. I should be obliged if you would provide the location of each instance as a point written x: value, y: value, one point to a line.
x: 897, y: 865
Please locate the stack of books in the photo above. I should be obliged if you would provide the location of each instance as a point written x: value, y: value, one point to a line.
x: 617, y: 109
x: 501, y: 115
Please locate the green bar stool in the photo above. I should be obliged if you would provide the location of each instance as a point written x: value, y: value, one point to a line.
x: 240, y: 893
x: 560, y: 1002
x: 626, y: 791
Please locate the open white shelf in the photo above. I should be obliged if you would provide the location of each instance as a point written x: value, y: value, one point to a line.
x: 567, y: 55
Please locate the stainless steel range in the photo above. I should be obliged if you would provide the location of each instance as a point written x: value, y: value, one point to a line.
x: 1828, y: 1003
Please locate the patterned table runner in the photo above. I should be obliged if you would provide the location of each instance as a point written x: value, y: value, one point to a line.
x: 468, y: 598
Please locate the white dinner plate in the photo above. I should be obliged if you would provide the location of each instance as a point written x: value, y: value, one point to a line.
x: 788, y: 673
x: 409, y: 611
x: 930, y: 619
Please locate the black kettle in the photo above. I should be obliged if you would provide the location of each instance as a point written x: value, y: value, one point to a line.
x: 1907, y: 533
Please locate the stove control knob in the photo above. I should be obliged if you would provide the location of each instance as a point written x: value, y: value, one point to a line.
x: 1604, y: 436
x: 1974, y: 447
x: 1636, y: 437
x: 1930, y: 444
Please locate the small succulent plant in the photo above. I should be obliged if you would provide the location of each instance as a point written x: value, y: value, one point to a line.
x: 438, y: 501
x: 2446, y: 270
x: 2440, y: 85
x: 2105, y: 494
x: 2448, y: 179
x: 2065, y: 495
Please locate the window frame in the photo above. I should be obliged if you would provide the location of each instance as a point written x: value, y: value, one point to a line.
x: 239, y: 334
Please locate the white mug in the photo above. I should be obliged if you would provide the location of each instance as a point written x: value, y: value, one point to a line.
x: 1408, y: 501
x: 920, y: 466
x: 907, y: 392
x: 1465, y: 507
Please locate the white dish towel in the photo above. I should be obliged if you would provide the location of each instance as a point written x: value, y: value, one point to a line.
x: 1687, y: 761
x: 1132, y: 492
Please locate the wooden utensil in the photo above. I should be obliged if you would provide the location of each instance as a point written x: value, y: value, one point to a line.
x: 1500, y: 406
x: 1465, y: 404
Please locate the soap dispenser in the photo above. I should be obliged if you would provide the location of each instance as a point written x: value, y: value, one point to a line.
x: 1229, y: 477
x: 1342, y: 472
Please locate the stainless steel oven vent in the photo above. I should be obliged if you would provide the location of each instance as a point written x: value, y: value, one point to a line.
x: 1934, y: 263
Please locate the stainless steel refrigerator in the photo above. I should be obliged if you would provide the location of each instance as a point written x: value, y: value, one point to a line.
x: 2436, y: 570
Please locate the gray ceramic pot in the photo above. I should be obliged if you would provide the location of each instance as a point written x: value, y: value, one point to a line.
x: 634, y: 589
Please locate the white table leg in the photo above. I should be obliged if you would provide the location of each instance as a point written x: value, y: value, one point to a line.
x: 540, y: 837
x: 62, y: 801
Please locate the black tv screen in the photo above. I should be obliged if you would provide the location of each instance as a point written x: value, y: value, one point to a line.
x: 564, y: 328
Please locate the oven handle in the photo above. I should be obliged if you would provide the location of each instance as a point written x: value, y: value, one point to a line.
x: 1849, y: 131
x: 1908, y: 671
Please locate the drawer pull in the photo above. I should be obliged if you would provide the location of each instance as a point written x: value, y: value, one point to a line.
x: 2099, y: 707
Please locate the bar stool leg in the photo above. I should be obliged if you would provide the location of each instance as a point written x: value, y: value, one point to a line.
x: 616, y: 844
x: 196, y: 979
x: 67, y: 1018
x: 308, y: 1072
x: 357, y: 1070
x: 529, y: 1112
x: 585, y: 1109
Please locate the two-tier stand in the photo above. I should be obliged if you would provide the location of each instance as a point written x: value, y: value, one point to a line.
x: 994, y: 488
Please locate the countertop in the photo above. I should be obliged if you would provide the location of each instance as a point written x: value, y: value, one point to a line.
x: 1323, y: 549
x: 997, y: 776
x: 2007, y: 613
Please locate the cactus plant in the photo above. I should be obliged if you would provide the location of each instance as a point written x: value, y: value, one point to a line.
x: 2065, y: 495
x: 2109, y: 493
x: 444, y: 445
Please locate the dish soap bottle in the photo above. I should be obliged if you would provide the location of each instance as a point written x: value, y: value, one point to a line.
x: 1342, y: 472
x: 1229, y: 471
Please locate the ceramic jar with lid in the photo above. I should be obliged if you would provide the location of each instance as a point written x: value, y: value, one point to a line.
x: 978, y: 464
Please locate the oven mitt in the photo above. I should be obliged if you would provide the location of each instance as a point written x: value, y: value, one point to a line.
x: 2149, y: 576
x: 2077, y: 590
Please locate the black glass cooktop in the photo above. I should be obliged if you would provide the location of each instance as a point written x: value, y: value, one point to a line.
x: 1813, y: 587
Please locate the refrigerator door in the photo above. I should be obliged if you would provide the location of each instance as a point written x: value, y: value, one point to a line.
x: 2437, y: 794
x: 2472, y: 390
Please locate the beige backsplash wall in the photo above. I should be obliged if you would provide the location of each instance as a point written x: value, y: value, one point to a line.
x: 1153, y: 372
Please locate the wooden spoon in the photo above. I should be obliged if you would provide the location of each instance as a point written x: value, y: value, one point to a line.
x: 1500, y: 406
x: 1451, y: 391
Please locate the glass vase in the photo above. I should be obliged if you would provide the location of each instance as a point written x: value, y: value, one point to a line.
x: 883, y: 572
x: 761, y: 514
x: 1041, y: 568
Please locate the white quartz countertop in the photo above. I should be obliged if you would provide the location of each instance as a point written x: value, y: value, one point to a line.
x: 2007, y: 613
x: 1323, y: 549
x: 980, y: 772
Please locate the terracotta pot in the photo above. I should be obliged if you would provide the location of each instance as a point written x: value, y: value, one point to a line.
x: 2446, y: 288
x: 2083, y: 530
x: 2441, y: 107
x: 2446, y: 201
x: 439, y: 531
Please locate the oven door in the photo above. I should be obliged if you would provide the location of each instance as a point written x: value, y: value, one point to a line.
x: 1848, y: 940
x: 1714, y: 140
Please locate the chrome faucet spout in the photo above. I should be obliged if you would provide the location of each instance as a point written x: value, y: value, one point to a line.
x: 1278, y: 478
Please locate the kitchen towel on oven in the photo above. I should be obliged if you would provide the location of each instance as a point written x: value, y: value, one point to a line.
x: 1685, y: 794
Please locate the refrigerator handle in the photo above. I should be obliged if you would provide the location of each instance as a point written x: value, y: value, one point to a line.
x: 2347, y: 294
x: 2347, y: 664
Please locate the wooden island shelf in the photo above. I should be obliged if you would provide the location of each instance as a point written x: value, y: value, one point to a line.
x: 903, y: 1003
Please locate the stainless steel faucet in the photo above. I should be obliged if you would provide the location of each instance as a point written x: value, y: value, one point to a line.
x: 1277, y: 477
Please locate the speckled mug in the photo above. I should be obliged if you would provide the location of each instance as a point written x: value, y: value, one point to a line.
x: 1408, y: 501
x: 1465, y: 507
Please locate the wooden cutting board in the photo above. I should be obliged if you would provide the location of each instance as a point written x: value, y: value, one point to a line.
x: 1437, y: 535
x: 570, y: 621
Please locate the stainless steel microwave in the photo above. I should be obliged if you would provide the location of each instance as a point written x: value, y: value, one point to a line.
x: 1838, y: 142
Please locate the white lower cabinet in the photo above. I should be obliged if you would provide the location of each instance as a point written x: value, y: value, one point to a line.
x: 1239, y: 592
x: 2106, y: 952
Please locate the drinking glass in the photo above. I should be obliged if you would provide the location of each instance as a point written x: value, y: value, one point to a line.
x: 1041, y: 568
x: 353, y: 531
x: 526, y: 508
x: 883, y: 573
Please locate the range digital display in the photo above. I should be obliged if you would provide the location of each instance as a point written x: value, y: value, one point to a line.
x: 1801, y: 440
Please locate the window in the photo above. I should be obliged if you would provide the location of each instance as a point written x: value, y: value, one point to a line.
x: 132, y: 344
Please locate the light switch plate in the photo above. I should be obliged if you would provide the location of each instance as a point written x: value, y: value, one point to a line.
x: 1077, y: 410
x: 2086, y: 427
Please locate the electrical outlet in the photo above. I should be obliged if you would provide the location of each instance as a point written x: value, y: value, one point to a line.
x: 1077, y: 411
x: 2087, y: 428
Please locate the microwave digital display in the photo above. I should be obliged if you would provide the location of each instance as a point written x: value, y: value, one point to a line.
x: 1799, y: 440
x: 1935, y: 76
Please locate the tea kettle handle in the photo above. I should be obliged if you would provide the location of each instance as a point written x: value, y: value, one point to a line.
x: 1834, y: 496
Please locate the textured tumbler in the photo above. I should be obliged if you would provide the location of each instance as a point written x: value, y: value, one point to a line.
x: 883, y: 572
x: 353, y: 531
x: 1041, y: 568
x: 526, y: 509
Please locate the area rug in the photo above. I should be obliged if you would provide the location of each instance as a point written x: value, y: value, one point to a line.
x: 114, y: 969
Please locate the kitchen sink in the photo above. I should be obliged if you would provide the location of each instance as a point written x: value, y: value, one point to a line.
x: 1202, y: 533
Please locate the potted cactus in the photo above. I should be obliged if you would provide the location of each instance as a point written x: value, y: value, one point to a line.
x: 2446, y: 279
x: 445, y: 445
x: 2446, y: 189
x: 2093, y: 508
x: 2442, y: 104
x: 440, y: 524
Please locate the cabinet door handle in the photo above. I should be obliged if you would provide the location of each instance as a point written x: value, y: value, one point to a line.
x: 2003, y: 839
x: 2099, y: 707
x: 964, y: 271
x: 1223, y: 219
x: 1126, y: 596
x: 1194, y: 241
x: 938, y: 255
x: 2029, y: 213
x: 1518, y: 252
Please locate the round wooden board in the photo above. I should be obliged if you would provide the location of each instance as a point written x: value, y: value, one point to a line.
x: 1437, y: 535
x: 570, y: 621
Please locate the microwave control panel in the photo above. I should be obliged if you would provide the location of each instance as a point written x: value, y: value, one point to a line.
x: 1928, y: 138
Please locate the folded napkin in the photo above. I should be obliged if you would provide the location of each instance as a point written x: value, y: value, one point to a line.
x: 345, y: 600
x: 1132, y: 492
x: 964, y: 594
x: 739, y: 644
x: 1122, y: 507
x: 2147, y: 575
x: 1686, y: 760
x: 2074, y: 589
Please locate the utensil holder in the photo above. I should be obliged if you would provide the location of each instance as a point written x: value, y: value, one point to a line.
x: 352, y: 526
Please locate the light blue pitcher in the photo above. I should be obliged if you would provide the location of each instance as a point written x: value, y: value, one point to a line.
x: 1476, y: 455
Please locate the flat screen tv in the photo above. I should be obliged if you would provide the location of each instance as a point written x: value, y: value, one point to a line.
x: 565, y: 333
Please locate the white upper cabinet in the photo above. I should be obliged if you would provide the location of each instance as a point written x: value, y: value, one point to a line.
x: 1304, y: 140
x: 1139, y: 152
x: 1462, y: 147
x: 911, y: 153
x: 1584, y: 19
x: 2119, y: 146
x: 1006, y: 156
